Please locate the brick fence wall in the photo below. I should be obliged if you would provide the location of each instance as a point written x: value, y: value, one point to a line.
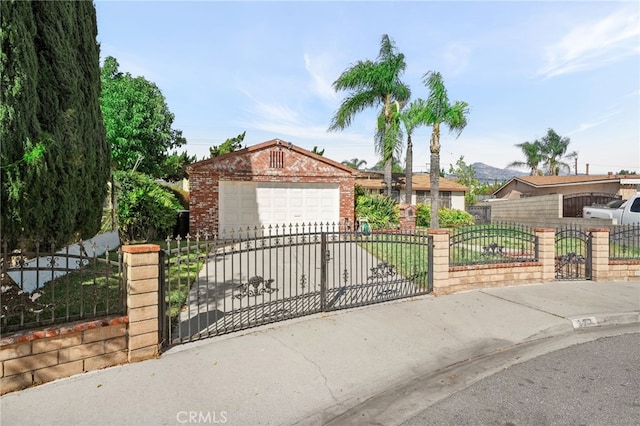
x: 450, y: 279
x: 38, y: 356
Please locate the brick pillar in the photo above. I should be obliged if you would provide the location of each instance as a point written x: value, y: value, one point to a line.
x: 440, y: 267
x: 547, y: 252
x: 142, y: 269
x: 407, y: 218
x: 599, y: 253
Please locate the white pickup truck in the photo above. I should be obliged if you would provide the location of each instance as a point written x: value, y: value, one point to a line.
x: 627, y: 213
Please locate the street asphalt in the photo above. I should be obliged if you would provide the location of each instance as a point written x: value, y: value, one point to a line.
x: 381, y: 364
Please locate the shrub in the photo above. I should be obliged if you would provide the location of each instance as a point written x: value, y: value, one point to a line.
x: 452, y: 217
x: 423, y: 215
x: 146, y: 210
x: 446, y: 217
x: 381, y: 211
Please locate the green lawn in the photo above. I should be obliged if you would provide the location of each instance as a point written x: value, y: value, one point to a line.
x: 410, y: 256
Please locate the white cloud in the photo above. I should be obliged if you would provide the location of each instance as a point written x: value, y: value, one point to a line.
x: 317, y: 69
x: 588, y: 125
x: 594, y: 44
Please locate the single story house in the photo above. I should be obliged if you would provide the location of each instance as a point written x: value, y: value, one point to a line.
x: 451, y: 192
x: 577, y: 190
x: 269, y: 184
x: 529, y: 186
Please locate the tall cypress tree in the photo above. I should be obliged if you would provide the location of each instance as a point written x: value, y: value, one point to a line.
x: 19, y: 127
x: 55, y: 157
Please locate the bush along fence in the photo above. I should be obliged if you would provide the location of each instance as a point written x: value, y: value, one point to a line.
x: 458, y: 262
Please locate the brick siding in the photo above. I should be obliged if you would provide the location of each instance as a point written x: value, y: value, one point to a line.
x: 254, y: 164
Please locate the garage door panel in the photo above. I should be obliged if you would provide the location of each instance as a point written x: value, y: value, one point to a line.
x: 249, y: 204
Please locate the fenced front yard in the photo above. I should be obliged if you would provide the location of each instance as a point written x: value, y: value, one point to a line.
x: 59, y: 320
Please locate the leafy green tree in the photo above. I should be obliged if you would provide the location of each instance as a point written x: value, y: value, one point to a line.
x: 465, y: 175
x: 228, y: 146
x: 437, y: 112
x: 174, y: 166
x: 533, y: 156
x: 626, y: 172
x: 146, y: 210
x: 55, y: 159
x: 137, y: 120
x: 376, y: 84
x: 354, y: 163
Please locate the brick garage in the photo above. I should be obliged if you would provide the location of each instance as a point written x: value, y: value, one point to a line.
x: 272, y: 183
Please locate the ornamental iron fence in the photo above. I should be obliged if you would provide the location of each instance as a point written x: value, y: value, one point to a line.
x: 624, y: 242
x: 42, y: 286
x: 263, y: 275
x: 573, y: 258
x: 492, y: 243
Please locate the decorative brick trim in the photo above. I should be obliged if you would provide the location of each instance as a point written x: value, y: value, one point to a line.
x: 597, y: 229
x: 439, y: 232
x: 141, y: 248
x: 624, y: 262
x: 494, y: 266
x: 544, y: 230
x: 61, y: 330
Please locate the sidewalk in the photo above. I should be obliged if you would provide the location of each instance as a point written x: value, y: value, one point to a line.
x: 311, y: 370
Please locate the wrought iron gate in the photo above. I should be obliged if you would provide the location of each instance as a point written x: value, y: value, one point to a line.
x: 573, y: 253
x: 265, y: 276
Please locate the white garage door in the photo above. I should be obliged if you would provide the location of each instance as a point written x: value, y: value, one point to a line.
x: 249, y: 204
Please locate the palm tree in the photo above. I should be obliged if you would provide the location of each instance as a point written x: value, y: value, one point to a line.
x: 438, y: 111
x: 550, y: 150
x: 411, y: 118
x: 375, y: 84
x: 533, y: 156
x: 354, y: 163
x: 554, y: 149
x: 388, y: 141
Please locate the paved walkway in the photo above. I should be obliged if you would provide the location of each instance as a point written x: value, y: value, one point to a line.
x: 315, y: 370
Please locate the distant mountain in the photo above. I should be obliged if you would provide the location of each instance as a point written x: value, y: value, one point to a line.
x: 490, y: 174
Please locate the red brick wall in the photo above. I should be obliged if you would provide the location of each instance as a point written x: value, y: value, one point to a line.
x: 39, y: 356
x: 254, y: 164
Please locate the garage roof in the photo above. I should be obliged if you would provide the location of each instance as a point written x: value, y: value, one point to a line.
x: 267, y: 145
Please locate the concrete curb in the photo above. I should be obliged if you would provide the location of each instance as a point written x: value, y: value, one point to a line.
x: 605, y: 319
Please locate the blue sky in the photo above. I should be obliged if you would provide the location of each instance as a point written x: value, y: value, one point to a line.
x: 267, y: 68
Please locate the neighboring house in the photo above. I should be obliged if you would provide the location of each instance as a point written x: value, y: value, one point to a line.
x: 269, y: 184
x: 529, y: 186
x: 451, y: 193
x: 577, y: 190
